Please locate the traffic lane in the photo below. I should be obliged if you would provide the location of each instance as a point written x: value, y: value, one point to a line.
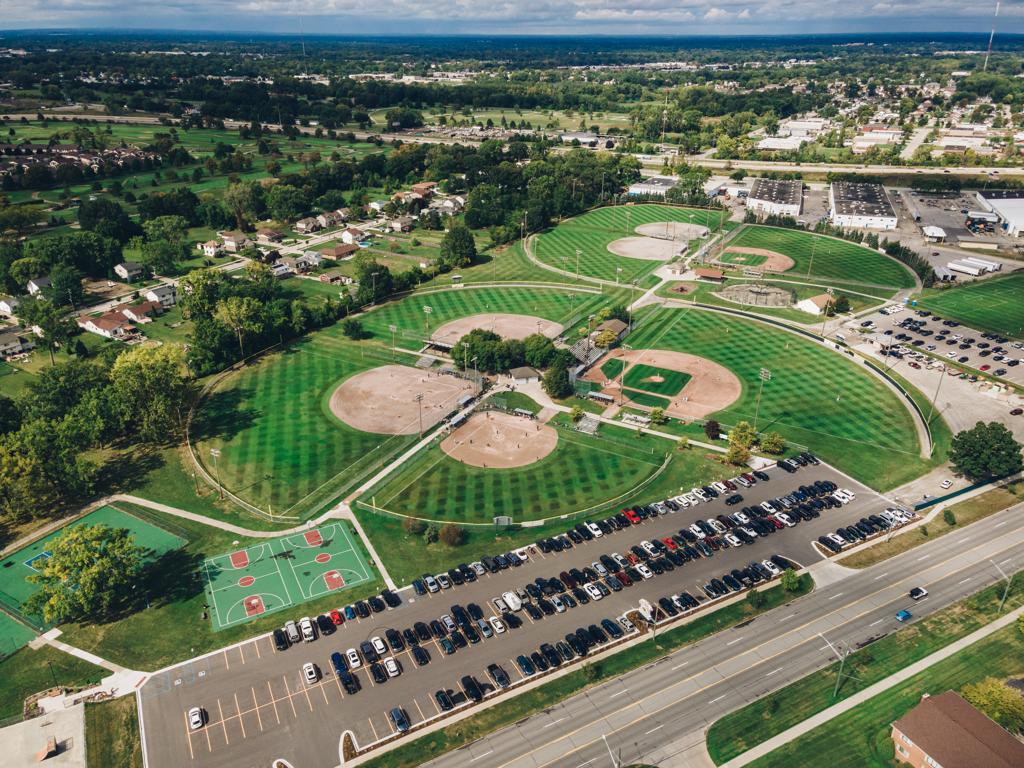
x: 672, y: 704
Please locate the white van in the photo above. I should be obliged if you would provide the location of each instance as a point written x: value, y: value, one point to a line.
x: 841, y: 337
x: 512, y: 601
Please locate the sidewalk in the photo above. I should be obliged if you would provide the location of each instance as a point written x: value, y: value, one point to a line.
x: 868, y: 693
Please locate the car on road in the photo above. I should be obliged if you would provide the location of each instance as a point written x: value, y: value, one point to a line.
x: 196, y: 718
x: 904, y: 616
x: 917, y: 593
x: 310, y: 673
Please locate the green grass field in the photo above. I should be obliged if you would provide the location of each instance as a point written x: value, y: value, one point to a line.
x: 815, y: 397
x: 827, y: 257
x: 743, y: 259
x: 646, y: 398
x: 995, y: 305
x: 592, y: 232
x: 112, y: 734
x: 30, y: 671
x: 586, y: 471
x: 645, y: 378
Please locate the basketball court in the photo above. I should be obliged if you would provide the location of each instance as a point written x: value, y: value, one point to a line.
x: 280, y: 573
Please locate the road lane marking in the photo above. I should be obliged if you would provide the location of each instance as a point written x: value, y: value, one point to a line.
x: 188, y: 732
x: 619, y: 693
x: 733, y: 642
x: 880, y: 576
x: 273, y: 700
x: 655, y: 728
x: 787, y: 618
x: 223, y: 724
x: 1000, y: 525
x: 581, y: 765
x: 837, y: 594
x: 241, y: 721
x: 718, y: 699
x: 256, y: 704
x: 963, y: 581
x: 774, y: 671
x: 873, y: 623
x: 922, y: 557
x: 554, y: 722
x: 289, y: 690
x: 485, y: 754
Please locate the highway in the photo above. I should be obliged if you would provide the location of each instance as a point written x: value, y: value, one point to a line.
x: 658, y: 714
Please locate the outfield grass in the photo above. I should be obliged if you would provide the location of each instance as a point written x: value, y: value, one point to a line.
x: 743, y: 259
x: 832, y: 257
x: 753, y: 724
x: 30, y: 671
x: 815, y: 397
x: 586, y: 471
x: 112, y: 734
x: 672, y: 382
x: 995, y: 305
x: 864, y: 731
x: 593, y: 231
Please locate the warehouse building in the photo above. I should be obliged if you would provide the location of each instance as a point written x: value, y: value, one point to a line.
x: 653, y: 185
x: 864, y: 206
x: 1008, y: 205
x: 769, y: 197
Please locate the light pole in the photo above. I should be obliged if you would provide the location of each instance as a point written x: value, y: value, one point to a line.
x: 632, y: 301
x: 615, y: 763
x: 215, y: 452
x: 1008, y: 580
x: 419, y: 402
x: 810, y: 266
x: 622, y: 375
x: 394, y: 330
x: 577, y: 265
x: 931, y: 408
x: 764, y: 375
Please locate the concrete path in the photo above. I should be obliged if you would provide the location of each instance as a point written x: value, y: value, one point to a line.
x: 870, y: 692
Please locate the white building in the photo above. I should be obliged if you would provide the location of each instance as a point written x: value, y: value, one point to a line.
x: 782, y: 143
x: 1008, y: 205
x: 165, y: 295
x: 862, y: 206
x: 770, y: 197
x: 653, y: 185
x: 815, y: 305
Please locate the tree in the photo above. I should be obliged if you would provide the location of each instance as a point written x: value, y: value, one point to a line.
x: 606, y: 339
x: 999, y: 701
x: 10, y: 416
x: 986, y: 451
x: 772, y: 442
x: 452, y: 535
x: 57, y: 330
x: 737, y: 454
x: 286, y: 202
x: 90, y: 572
x: 353, y: 329
x: 682, y: 443
x: 243, y: 200
x: 712, y: 429
x: 106, y: 217
x: 242, y: 315
x: 66, y: 285
x: 538, y: 350
x: 27, y: 488
x: 556, y: 381
x: 150, y: 391
x: 458, y: 249
x: 414, y: 526
x: 742, y: 435
x: 577, y: 414
x: 658, y: 416
x: 165, y: 243
x: 790, y: 580
x: 431, y: 534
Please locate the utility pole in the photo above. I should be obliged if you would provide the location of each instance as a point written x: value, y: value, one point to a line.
x: 810, y: 266
x: 615, y: 763
x: 1008, y: 580
x: 824, y: 314
x: 394, y: 329
x: 215, y: 452
x: 931, y: 408
x: 419, y: 402
x: 577, y: 265
x: 764, y: 375
x: 622, y: 375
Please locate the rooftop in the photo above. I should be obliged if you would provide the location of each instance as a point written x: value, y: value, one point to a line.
x: 856, y: 199
x: 775, y: 191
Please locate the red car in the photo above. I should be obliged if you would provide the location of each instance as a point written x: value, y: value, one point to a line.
x: 984, y: 367
x: 634, y: 518
x: 621, y: 576
x: 336, y: 617
x: 667, y: 541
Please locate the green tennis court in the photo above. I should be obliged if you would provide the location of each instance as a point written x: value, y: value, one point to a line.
x: 280, y: 573
x: 15, y: 569
x: 13, y: 635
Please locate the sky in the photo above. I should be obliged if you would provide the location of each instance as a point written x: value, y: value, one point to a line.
x: 618, y: 17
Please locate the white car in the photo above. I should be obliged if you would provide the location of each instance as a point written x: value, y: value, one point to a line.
x: 500, y: 605
x: 306, y: 625
x: 522, y: 553
x: 353, y: 658
x: 592, y: 527
x: 697, y: 531
x: 310, y: 673
x: 378, y: 646
x: 740, y: 480
x: 594, y: 592
x: 392, y: 667
x: 836, y: 539
x: 741, y: 517
x: 946, y: 484
x: 195, y: 718
x: 720, y: 487
x: 623, y: 562
x: 559, y: 605
x: 444, y: 581
x: 841, y: 497
x: 644, y: 571
x: 649, y: 548
x: 773, y: 569
x: 717, y: 525
x: 498, y: 625
x: 512, y: 601
x: 699, y: 493
x: 733, y: 539
x: 681, y: 500
x: 692, y: 498
x: 432, y: 585
x: 626, y: 624
x: 768, y: 507
x: 785, y: 519
x: 599, y: 568
x: 849, y: 493
x: 478, y: 567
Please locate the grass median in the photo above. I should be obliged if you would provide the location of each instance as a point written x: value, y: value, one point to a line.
x: 963, y: 513
x: 745, y: 728
x: 112, y: 734
x: 591, y: 673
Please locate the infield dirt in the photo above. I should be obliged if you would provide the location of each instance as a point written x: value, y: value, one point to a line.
x: 499, y: 440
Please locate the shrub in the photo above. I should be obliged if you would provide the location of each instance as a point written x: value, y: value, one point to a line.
x: 712, y: 429
x: 949, y: 517
x: 790, y: 581
x: 414, y: 526
x: 453, y: 535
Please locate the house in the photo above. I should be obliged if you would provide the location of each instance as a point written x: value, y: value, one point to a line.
x: 339, y: 252
x: 329, y: 219
x: 210, y: 248
x: 14, y: 341
x: 343, y: 214
x: 377, y: 205
x: 352, y: 236
x: 815, y: 305
x: 166, y: 295
x: 425, y: 188
x: 307, y: 225
x: 616, y: 326
x: 712, y: 275
x: 452, y: 205
x: 37, y: 286
x: 8, y: 306
x: 525, y: 375
x: 281, y: 271
x: 129, y: 271
x: 111, y: 325
x: 234, y: 241
x: 402, y: 224
x: 267, y: 236
x: 308, y: 260
x: 144, y: 312
x: 335, y: 278
x: 946, y: 731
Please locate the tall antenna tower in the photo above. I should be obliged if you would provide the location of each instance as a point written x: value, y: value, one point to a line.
x: 991, y: 37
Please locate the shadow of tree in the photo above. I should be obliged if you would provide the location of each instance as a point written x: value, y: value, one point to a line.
x: 221, y: 415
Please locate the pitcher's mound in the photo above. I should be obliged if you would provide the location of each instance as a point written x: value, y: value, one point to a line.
x: 383, y: 400
x: 499, y: 440
x: 672, y: 230
x: 506, y: 326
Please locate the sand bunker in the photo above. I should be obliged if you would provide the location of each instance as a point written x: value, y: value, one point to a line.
x: 712, y: 387
x: 506, y: 326
x: 499, y: 440
x: 649, y: 248
x: 674, y: 230
x: 382, y: 400
x: 775, y: 261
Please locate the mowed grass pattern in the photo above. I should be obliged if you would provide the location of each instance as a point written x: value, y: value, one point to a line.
x: 995, y: 305
x: 558, y: 304
x: 279, y: 446
x: 592, y: 232
x: 674, y: 381
x: 839, y: 259
x: 582, y: 471
x: 815, y: 397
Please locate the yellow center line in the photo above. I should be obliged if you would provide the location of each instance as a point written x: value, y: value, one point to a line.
x: 273, y: 700
x: 259, y: 718
x: 223, y: 723
x: 188, y: 732
x: 283, y: 677
x: 241, y: 721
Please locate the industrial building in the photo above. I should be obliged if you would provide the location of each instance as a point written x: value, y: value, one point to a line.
x: 1008, y: 205
x: 769, y: 197
x: 653, y: 185
x: 864, y: 206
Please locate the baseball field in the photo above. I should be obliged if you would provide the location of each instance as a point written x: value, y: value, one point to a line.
x: 593, y: 232
x: 828, y: 257
x: 995, y: 305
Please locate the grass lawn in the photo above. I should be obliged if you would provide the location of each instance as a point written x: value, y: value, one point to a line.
x: 995, y: 305
x: 513, y: 400
x: 965, y: 513
x: 747, y: 727
x: 864, y: 731
x: 612, y: 368
x: 645, y: 398
x: 589, y: 674
x: 497, y: 265
x: 815, y: 397
x: 743, y: 259
x: 588, y: 471
x: 831, y: 257
x: 30, y: 671
x: 591, y: 233
x: 660, y: 381
x: 112, y: 734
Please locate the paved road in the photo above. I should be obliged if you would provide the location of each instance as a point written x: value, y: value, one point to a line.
x: 258, y: 705
x: 657, y: 715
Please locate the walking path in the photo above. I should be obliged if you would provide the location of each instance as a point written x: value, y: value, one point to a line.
x: 871, y: 691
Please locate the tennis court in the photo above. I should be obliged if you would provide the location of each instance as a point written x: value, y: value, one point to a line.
x: 15, y: 569
x: 280, y: 573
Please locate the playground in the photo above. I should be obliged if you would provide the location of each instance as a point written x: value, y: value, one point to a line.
x: 279, y: 573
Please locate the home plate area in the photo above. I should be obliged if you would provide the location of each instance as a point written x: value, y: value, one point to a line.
x: 283, y: 572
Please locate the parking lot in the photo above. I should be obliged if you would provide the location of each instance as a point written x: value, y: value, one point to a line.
x: 257, y: 704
